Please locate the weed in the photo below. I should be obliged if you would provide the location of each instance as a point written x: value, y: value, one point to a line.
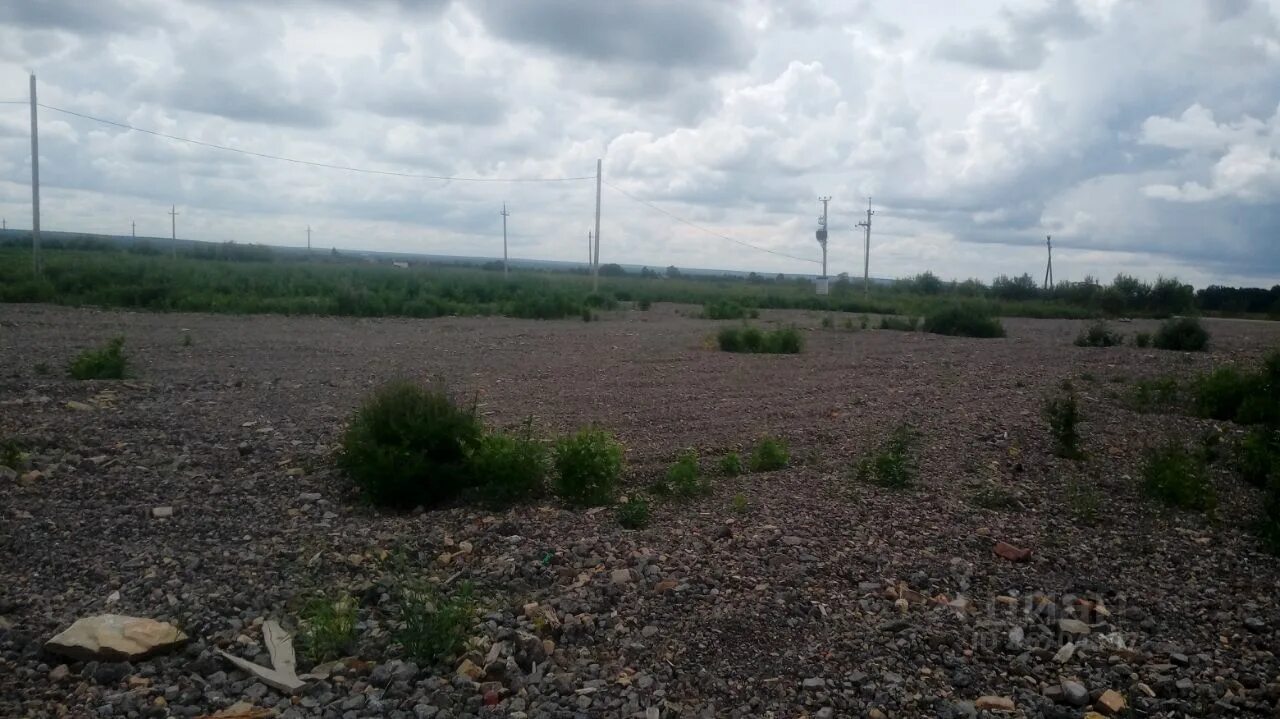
x: 507, y: 470
x: 1259, y: 457
x: 588, y: 465
x: 848, y: 325
x: 1099, y: 334
x: 11, y: 454
x: 106, y: 363
x: 633, y: 513
x: 186, y: 339
x: 771, y: 454
x: 993, y: 496
x: 828, y: 322
x: 1084, y: 500
x: 1219, y: 394
x: 644, y: 304
x: 964, y: 320
x: 898, y: 324
x: 1184, y: 334
x: 409, y: 445
x: 1178, y: 478
x: 433, y: 626
x: 327, y: 627
x: 751, y: 339
x: 724, y: 310
x: 587, y: 315
x: 739, y: 504
x: 731, y: 465
x: 1142, y: 339
x: 1062, y: 412
x: 892, y: 465
x: 684, y: 478
x: 1154, y: 395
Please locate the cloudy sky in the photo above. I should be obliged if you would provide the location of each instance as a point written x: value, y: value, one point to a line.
x: 1144, y: 136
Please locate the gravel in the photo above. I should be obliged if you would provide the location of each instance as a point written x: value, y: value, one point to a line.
x: 824, y: 598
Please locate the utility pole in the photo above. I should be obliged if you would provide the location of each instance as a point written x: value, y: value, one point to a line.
x: 35, y: 182
x: 590, y: 256
x: 595, y: 259
x: 1048, y: 271
x: 173, y: 224
x: 822, y: 233
x: 308, y: 239
x: 133, y: 229
x: 866, y: 251
x: 505, y: 215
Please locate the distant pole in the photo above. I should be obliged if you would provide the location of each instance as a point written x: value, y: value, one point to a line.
x: 822, y: 232
x: 1048, y: 270
x: 590, y: 257
x: 595, y: 264
x: 505, y: 215
x: 173, y: 229
x: 35, y: 182
x: 866, y: 251
x: 133, y: 229
x: 308, y: 239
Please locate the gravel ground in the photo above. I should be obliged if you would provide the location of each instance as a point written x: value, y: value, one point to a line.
x: 824, y: 598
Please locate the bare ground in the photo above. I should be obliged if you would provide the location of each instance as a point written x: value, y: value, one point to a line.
x: 784, y: 610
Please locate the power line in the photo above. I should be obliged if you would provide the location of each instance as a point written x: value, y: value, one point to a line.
x: 312, y: 163
x: 696, y: 226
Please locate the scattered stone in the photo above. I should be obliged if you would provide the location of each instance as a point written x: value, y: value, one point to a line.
x: 1255, y: 624
x: 162, y: 512
x: 1064, y: 653
x: 30, y: 477
x: 995, y: 703
x: 620, y: 576
x: 814, y: 683
x: 1110, y: 703
x: 59, y: 673
x: 79, y: 406
x: 1074, y: 693
x: 1012, y: 553
x: 470, y: 670
x: 1074, y: 627
x: 309, y: 496
x: 114, y: 637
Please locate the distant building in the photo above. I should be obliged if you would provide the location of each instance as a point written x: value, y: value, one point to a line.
x: 401, y: 264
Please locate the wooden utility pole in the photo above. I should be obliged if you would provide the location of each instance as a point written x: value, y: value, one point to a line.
x: 866, y: 251
x: 595, y: 258
x: 505, y: 215
x: 35, y: 182
x: 173, y: 229
x: 822, y: 233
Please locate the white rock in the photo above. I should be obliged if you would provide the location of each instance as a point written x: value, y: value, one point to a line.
x: 162, y: 512
x: 114, y: 637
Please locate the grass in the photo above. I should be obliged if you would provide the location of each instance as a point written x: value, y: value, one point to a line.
x: 753, y: 340
x: 107, y: 362
x: 1178, y: 477
x: 684, y: 479
x: 1259, y: 458
x: 898, y: 324
x: 1099, y: 334
x: 891, y: 465
x: 1182, y: 334
x: 993, y: 496
x: 588, y: 466
x: 963, y: 320
x: 739, y: 504
x: 1155, y: 395
x: 727, y: 310
x: 731, y: 465
x: 327, y: 627
x: 633, y: 513
x: 1084, y: 500
x: 11, y: 454
x: 770, y: 455
x: 1062, y: 413
x: 507, y: 470
x: 186, y: 339
x: 433, y: 625
x: 1142, y: 339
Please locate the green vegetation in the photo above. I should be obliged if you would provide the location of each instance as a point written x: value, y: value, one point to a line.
x: 1142, y: 339
x: 1183, y: 334
x: 771, y: 454
x: 739, y: 504
x: 186, y: 339
x: 993, y: 496
x: 684, y: 477
x: 507, y: 470
x: 409, y: 445
x: 108, y: 362
x: 1178, y: 477
x: 731, y: 465
x: 1099, y: 334
x: 327, y: 627
x: 1084, y: 499
x: 750, y: 339
x: 633, y: 513
x: 1062, y: 412
x: 644, y: 304
x: 433, y: 624
x: 898, y: 324
x: 1155, y: 395
x: 727, y: 310
x: 588, y: 466
x: 1259, y: 458
x: 892, y: 464
x: 11, y: 454
x: 963, y: 320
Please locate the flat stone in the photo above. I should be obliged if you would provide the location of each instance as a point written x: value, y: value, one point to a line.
x: 115, y: 638
x: 1110, y: 703
x: 1065, y: 653
x: 469, y: 670
x: 79, y: 406
x: 1074, y: 693
x: 620, y: 576
x: 1074, y: 626
x: 1014, y: 554
x: 162, y: 512
x: 995, y: 703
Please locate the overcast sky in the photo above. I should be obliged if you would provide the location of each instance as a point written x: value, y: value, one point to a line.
x: 1144, y: 136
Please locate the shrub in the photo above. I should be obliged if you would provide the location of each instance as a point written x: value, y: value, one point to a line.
x: 769, y: 455
x: 740, y: 505
x: 1084, y: 499
x: 898, y: 324
x: 1142, y: 339
x: 327, y: 627
x: 11, y: 454
x: 993, y: 496
x: 864, y: 322
x: 731, y: 465
x: 433, y: 626
x: 508, y: 470
x: 107, y: 362
x: 1259, y: 459
x: 409, y: 445
x: 963, y: 321
x: 848, y: 325
x: 828, y: 322
x: 683, y: 476
x: 1153, y: 395
x: 1099, y: 334
x: 751, y: 339
x: 1184, y: 334
x: 724, y: 310
x: 644, y: 304
x: 588, y: 465
x: 1178, y: 478
x: 587, y: 316
x: 783, y: 341
x: 1062, y: 412
x: 891, y: 465
x: 1219, y: 394
x: 633, y: 513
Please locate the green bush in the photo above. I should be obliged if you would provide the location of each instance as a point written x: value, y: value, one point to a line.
x: 784, y: 341
x: 771, y: 454
x: 587, y: 315
x: 898, y: 324
x: 891, y: 465
x: 1183, y: 334
x: 108, y: 362
x: 1062, y: 412
x: 327, y: 628
x: 644, y: 304
x: 684, y: 477
x: 1260, y: 457
x: 740, y: 504
x: 1219, y: 394
x: 1099, y: 334
x: 508, y: 470
x: 433, y: 625
x: 963, y: 321
x: 1153, y: 395
x: 731, y: 465
x: 409, y: 445
x: 11, y: 454
x: 588, y: 465
x: 1142, y: 339
x: 633, y: 513
x: 828, y: 322
x: 724, y: 310
x: 1084, y: 499
x: 752, y: 340
x: 1178, y: 478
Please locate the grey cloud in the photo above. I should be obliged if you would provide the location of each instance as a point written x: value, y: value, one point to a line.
x: 1023, y: 45
x: 84, y: 17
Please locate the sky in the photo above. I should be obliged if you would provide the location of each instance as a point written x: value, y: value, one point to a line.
x: 1144, y: 137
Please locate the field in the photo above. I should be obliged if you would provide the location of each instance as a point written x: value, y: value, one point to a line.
x: 796, y: 592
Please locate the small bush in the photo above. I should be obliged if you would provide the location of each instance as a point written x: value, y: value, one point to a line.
x: 587, y: 315
x: 633, y: 513
x: 1259, y: 458
x: 1084, y: 500
x: 588, y: 465
x: 1154, y: 395
x: 740, y: 505
x: 1099, y: 334
x: 783, y: 341
x: 898, y: 324
x: 993, y: 496
x: 508, y: 470
x: 1183, y: 334
x: 865, y: 322
x: 684, y: 478
x: 1219, y: 394
x: 848, y: 325
x: 186, y: 339
x: 771, y: 454
x: 963, y: 321
x: 409, y: 445
x: 106, y: 363
x: 11, y: 454
x: 1178, y: 478
x: 731, y: 465
x: 1062, y: 412
x: 724, y: 310
x: 1142, y: 339
x: 891, y: 465
x: 751, y: 339
x: 327, y: 627
x: 828, y: 322
x: 644, y: 304
x: 433, y: 626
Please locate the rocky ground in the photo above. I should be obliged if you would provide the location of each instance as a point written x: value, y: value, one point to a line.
x: 824, y: 598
